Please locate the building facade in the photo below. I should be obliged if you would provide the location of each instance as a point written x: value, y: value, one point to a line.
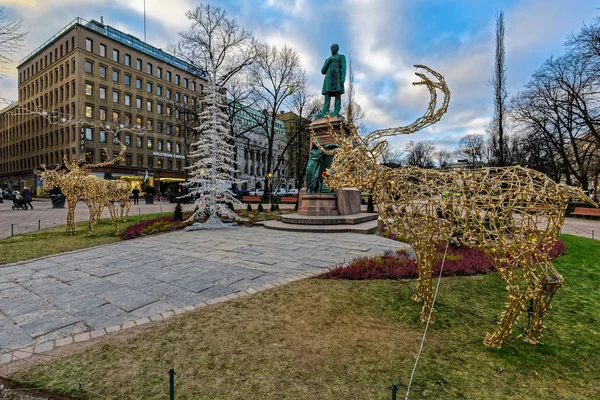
x: 93, y: 72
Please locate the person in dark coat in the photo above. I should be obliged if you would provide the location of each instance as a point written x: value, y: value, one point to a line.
x: 27, y: 197
x: 136, y: 196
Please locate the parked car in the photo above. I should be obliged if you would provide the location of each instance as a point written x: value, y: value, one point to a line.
x: 293, y: 192
x: 239, y: 193
x: 279, y: 192
x: 259, y: 192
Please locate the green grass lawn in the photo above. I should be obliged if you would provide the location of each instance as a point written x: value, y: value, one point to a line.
x: 55, y: 240
x: 325, y: 339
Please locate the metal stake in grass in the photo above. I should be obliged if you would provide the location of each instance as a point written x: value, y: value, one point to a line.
x: 172, y: 384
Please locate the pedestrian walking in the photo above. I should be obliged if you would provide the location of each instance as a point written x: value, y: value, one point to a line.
x: 136, y: 196
x: 27, y: 197
x: 1, y: 193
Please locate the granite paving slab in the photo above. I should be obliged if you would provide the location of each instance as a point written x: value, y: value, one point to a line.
x: 102, y: 287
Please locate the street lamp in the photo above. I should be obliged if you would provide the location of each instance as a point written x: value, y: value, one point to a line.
x: 269, y: 176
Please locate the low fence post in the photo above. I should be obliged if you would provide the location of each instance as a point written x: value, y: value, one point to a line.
x: 394, y: 391
x: 172, y: 384
x: 12, y: 230
x: 592, y: 233
x: 39, y: 224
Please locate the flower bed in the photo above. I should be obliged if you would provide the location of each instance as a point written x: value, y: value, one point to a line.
x: 398, y: 265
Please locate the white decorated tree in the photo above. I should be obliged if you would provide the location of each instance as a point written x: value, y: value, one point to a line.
x: 212, y: 168
x: 221, y: 49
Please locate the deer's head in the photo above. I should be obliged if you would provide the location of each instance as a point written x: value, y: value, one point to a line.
x: 355, y: 162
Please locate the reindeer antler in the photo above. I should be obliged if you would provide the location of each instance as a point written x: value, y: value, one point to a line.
x: 430, y: 117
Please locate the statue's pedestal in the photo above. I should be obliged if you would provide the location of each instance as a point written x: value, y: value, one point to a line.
x: 317, y: 204
x: 321, y: 126
x: 345, y: 201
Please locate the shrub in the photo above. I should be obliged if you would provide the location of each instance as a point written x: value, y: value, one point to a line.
x: 178, y: 213
x: 397, y: 264
x: 249, y: 207
x: 260, y: 207
x: 370, y: 206
x: 276, y: 207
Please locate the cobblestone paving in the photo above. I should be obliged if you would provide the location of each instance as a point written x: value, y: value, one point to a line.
x: 87, y: 293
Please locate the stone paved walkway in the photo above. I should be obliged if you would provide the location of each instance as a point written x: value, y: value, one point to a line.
x: 89, y: 292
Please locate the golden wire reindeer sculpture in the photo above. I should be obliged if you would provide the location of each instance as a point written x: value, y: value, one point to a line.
x: 514, y: 214
x: 76, y: 184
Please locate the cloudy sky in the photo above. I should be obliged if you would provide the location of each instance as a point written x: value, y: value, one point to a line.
x: 385, y: 38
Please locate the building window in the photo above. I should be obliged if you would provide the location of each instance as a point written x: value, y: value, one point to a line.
x: 169, y: 144
x: 115, y: 76
x: 102, y: 71
x: 102, y: 114
x: 149, y: 87
x: 159, y: 145
x: 140, y: 161
x: 159, y: 90
x: 138, y: 83
x: 177, y: 113
x: 150, y: 162
x: 159, y: 163
x: 185, y: 82
x: 116, y: 116
x: 89, y: 45
x: 193, y: 86
x: 89, y: 156
x: 177, y: 79
x: 178, y: 163
x: 169, y: 76
x: 158, y: 108
x: 138, y: 142
x: 128, y: 159
x: 138, y: 102
x: 89, y: 67
x: 149, y: 124
x: 102, y: 137
x: 115, y: 96
x: 103, y: 156
x: 89, y: 134
x: 159, y: 72
x: 102, y: 50
x: 148, y: 106
x: 128, y: 60
x: 102, y: 92
x: 115, y: 55
x: 168, y: 111
x: 169, y: 129
x: 138, y: 64
x: 159, y: 126
x: 177, y: 96
x: 185, y: 99
x: 127, y: 80
x: 116, y: 138
x: 89, y: 112
x: 168, y: 93
x: 89, y: 89
x: 177, y: 148
x: 127, y: 140
x: 149, y: 68
x: 127, y: 99
x: 150, y: 143
x: 138, y: 121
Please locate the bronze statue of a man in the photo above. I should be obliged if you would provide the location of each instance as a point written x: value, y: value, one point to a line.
x: 334, y: 70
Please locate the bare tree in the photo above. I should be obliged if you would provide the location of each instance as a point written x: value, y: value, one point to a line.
x: 391, y: 158
x: 420, y: 154
x: 498, y: 142
x: 443, y: 158
x: 472, y: 148
x: 559, y: 105
x: 11, y: 38
x: 221, y: 49
x: 274, y: 78
x: 586, y: 44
